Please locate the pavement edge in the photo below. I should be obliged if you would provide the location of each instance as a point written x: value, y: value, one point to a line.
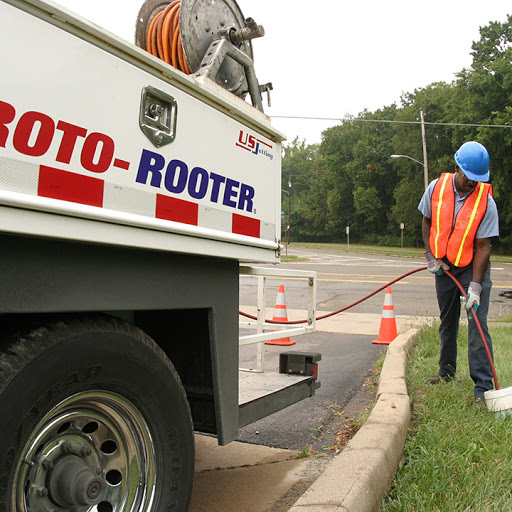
x: 359, y: 477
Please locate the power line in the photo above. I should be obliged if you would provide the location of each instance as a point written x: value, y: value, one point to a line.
x: 356, y: 119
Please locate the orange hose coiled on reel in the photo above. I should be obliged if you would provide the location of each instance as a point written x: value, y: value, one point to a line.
x: 163, y: 38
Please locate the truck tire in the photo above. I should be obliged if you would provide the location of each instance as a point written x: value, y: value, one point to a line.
x: 93, y: 418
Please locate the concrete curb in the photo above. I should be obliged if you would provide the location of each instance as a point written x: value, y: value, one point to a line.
x: 358, y: 478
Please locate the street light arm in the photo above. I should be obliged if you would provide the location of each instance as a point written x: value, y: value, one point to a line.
x: 410, y: 158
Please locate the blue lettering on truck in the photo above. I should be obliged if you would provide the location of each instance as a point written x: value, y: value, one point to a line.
x: 198, y: 182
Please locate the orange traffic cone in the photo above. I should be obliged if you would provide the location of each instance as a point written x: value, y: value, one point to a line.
x: 280, y: 315
x: 387, y: 331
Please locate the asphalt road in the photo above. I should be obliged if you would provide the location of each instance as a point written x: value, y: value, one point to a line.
x: 255, y: 478
x: 345, y: 368
x: 344, y: 278
x: 347, y: 359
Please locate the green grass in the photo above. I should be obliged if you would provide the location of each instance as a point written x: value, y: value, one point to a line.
x: 457, y: 458
x: 506, y: 319
x: 365, y: 249
x: 287, y: 258
x: 410, y: 252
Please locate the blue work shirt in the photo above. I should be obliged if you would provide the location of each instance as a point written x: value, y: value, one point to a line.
x: 489, y: 226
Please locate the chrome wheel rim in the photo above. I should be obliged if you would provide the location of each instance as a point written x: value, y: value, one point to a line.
x: 93, y: 452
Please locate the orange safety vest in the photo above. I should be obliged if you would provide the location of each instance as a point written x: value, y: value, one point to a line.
x: 456, y: 241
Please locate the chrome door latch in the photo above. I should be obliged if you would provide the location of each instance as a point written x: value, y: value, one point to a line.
x: 158, y: 116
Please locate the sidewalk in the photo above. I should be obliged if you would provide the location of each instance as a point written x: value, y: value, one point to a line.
x: 357, y: 479
x: 349, y: 323
x: 256, y: 478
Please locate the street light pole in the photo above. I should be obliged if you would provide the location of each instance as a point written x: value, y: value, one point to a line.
x: 287, y: 230
x: 409, y: 157
x: 289, y: 202
x: 425, y: 171
x: 423, y: 138
x: 287, y: 220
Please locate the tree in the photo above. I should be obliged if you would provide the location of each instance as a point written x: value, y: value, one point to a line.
x: 299, y: 159
x: 486, y: 90
x: 355, y: 156
x: 436, y: 101
x: 308, y: 195
x: 350, y: 179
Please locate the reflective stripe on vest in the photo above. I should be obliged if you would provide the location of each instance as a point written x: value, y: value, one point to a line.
x: 445, y: 202
x: 471, y: 224
x: 456, y: 242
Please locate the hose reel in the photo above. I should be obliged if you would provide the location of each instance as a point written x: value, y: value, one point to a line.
x: 203, y: 38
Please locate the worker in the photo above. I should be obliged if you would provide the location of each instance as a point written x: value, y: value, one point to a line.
x: 460, y: 218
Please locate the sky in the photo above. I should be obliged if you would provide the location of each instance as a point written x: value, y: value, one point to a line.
x: 336, y: 58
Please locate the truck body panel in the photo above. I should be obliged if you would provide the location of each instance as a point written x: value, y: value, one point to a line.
x: 188, y: 304
x: 129, y: 195
x: 72, y: 145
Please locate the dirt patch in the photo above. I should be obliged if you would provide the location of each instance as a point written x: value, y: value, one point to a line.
x: 330, y: 439
x: 345, y: 420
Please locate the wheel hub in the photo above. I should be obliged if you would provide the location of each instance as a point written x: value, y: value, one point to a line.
x: 91, y: 452
x: 73, y: 482
x: 66, y: 474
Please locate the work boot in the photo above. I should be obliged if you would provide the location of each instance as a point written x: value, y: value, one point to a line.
x: 479, y: 403
x: 440, y: 378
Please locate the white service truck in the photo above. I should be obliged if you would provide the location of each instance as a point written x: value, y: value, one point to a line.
x: 130, y: 192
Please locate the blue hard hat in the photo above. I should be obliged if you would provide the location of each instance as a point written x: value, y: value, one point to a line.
x: 473, y: 160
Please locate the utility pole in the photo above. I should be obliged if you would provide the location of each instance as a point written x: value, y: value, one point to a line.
x: 425, y: 161
x: 289, y: 202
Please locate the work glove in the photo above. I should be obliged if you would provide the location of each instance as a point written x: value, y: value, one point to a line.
x: 435, y: 265
x: 474, y: 291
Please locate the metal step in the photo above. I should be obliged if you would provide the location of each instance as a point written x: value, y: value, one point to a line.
x: 261, y: 394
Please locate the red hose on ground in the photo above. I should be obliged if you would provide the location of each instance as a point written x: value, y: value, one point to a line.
x: 454, y: 279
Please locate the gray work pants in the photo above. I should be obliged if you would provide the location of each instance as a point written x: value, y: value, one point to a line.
x: 448, y: 298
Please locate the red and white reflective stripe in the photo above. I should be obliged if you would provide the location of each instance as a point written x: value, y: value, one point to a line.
x: 44, y: 181
x: 388, y: 310
x: 280, y: 311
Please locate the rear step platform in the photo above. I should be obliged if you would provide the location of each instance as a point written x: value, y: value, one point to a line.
x: 261, y: 394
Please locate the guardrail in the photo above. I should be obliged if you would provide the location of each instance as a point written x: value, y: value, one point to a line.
x: 263, y: 328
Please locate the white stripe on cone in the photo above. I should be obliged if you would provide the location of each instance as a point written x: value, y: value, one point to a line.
x: 280, y: 315
x: 387, y: 330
